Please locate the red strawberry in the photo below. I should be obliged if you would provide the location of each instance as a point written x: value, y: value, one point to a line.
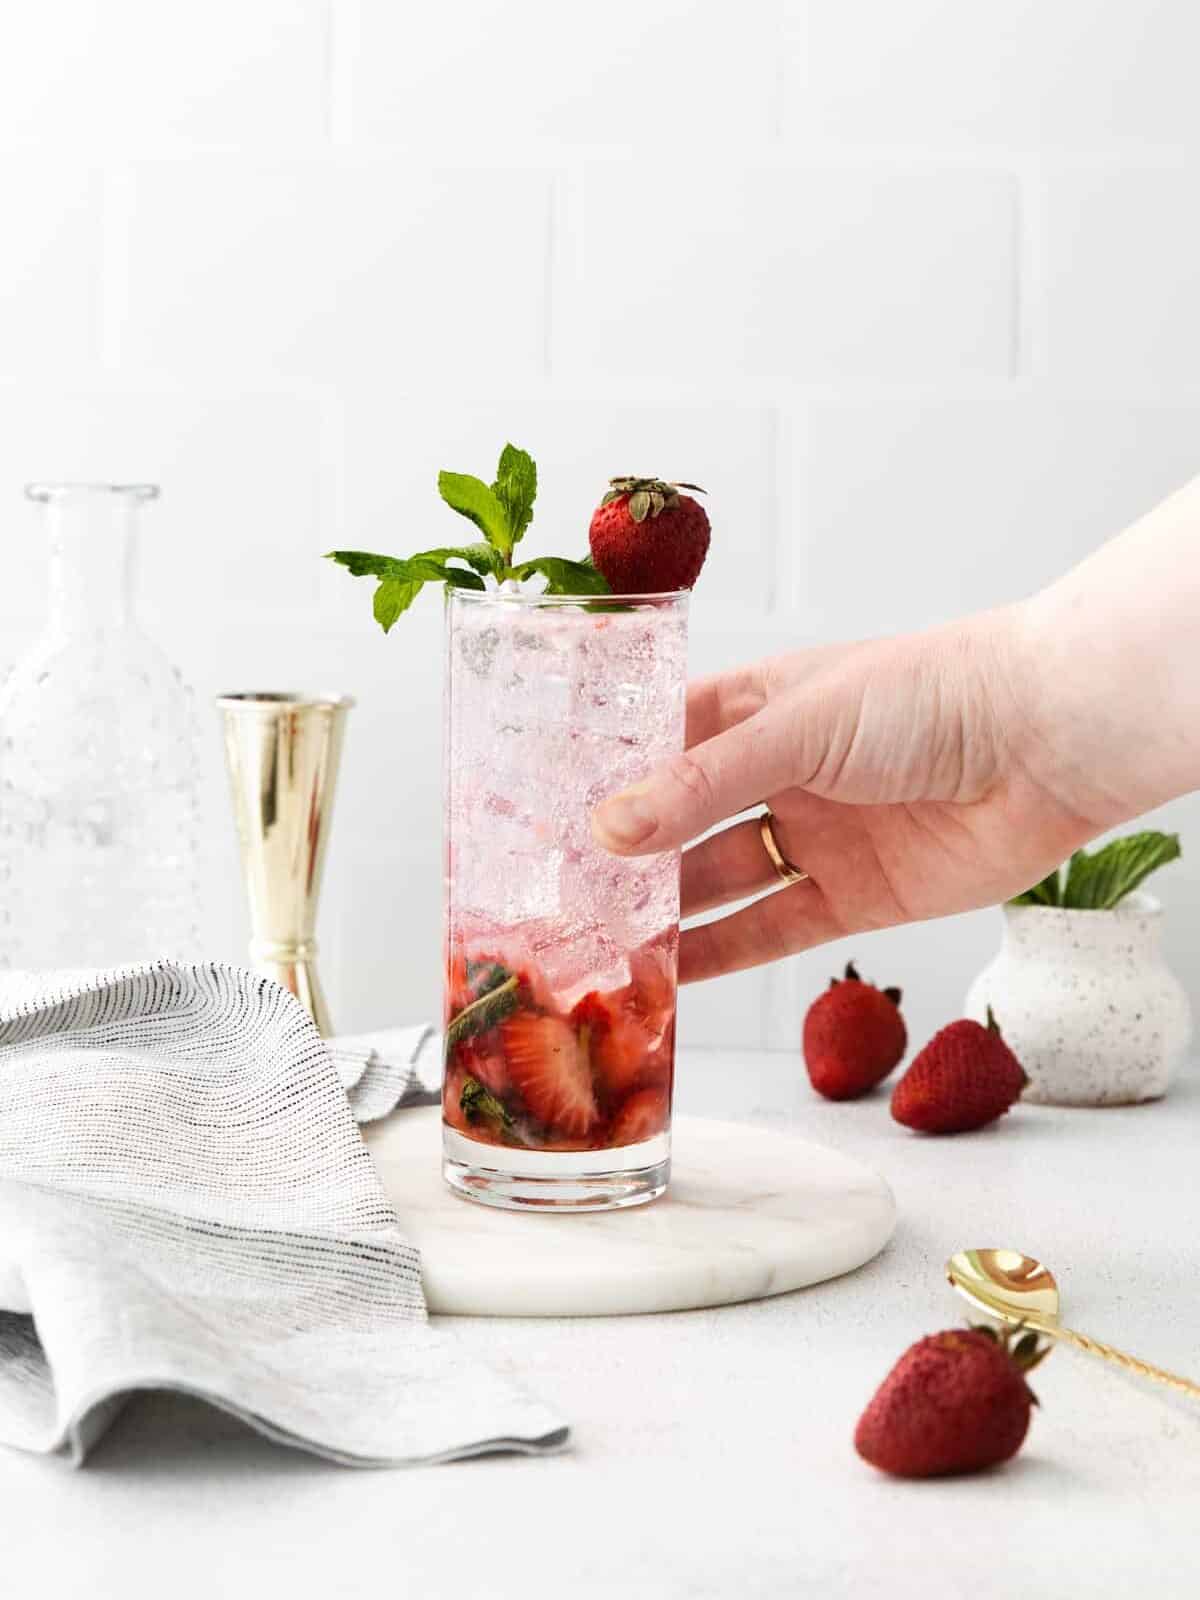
x: 954, y: 1402
x: 647, y: 538
x: 652, y: 976
x: 853, y: 1036
x: 965, y: 1077
x: 548, y: 1065
x: 642, y: 1116
x: 452, y: 1086
x: 619, y: 1042
x: 482, y: 1059
x: 458, y: 991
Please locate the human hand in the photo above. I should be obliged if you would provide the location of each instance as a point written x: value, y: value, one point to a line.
x: 907, y: 777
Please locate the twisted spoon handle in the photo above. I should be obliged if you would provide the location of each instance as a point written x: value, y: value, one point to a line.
x: 1120, y: 1358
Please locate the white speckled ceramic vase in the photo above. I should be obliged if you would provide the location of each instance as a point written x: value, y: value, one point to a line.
x: 1087, y: 1002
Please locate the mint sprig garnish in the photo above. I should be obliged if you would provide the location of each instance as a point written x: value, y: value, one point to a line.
x: 516, y: 489
x: 401, y: 581
x: 563, y: 576
x: 1100, y: 880
x: 472, y: 498
x: 501, y: 511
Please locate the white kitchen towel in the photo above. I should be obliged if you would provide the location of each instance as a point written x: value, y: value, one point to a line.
x: 383, y: 1071
x: 388, y: 1070
x: 186, y: 1203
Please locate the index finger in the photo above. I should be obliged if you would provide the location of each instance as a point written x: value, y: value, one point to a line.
x: 720, y: 701
x: 723, y: 699
x: 686, y: 794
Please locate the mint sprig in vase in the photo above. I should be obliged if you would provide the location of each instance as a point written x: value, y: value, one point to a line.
x: 1081, y: 985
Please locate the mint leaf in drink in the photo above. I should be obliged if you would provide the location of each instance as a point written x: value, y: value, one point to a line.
x: 563, y: 576
x: 472, y: 498
x: 1100, y: 880
x: 1046, y: 893
x: 491, y: 1007
x: 475, y: 1101
x: 516, y: 489
x: 485, y: 975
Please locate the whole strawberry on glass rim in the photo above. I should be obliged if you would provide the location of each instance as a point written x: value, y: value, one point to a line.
x: 647, y: 537
x: 565, y: 681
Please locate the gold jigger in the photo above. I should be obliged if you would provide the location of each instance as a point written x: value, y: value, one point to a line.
x: 283, y: 751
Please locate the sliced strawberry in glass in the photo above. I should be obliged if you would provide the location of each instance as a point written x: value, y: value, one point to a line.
x: 618, y: 1041
x: 652, y: 968
x: 643, y: 1115
x: 452, y: 1087
x: 458, y: 992
x: 549, y: 1068
x: 482, y: 1058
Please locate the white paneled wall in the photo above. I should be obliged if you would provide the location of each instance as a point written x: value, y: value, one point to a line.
x: 909, y: 285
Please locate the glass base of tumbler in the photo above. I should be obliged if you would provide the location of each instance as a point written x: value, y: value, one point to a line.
x: 538, y: 1180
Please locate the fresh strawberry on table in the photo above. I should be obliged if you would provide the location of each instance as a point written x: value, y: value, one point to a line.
x: 965, y: 1077
x: 955, y: 1402
x: 853, y: 1036
x: 648, y: 538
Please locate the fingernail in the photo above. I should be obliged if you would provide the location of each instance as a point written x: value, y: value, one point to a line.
x: 624, y: 819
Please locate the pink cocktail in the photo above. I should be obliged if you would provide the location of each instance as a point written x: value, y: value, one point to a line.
x: 560, y: 958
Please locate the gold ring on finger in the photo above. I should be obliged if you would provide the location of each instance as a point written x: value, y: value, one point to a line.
x: 785, y: 870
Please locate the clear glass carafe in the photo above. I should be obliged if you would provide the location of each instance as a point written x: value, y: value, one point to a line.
x: 98, y: 791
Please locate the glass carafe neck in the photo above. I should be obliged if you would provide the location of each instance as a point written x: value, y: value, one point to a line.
x: 92, y: 530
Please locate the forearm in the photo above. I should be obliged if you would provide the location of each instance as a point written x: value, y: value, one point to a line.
x: 1112, y: 665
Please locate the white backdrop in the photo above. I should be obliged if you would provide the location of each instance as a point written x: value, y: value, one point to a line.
x: 909, y: 285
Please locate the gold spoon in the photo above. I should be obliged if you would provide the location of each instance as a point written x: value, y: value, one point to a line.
x: 1018, y: 1289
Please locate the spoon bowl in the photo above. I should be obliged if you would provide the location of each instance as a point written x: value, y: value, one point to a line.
x: 1005, y: 1284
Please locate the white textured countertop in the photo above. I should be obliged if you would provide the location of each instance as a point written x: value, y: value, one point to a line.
x: 712, y: 1451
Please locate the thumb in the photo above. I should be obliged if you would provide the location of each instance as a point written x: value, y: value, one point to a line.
x: 699, y: 787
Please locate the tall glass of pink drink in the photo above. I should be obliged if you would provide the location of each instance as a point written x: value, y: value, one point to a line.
x: 560, y: 958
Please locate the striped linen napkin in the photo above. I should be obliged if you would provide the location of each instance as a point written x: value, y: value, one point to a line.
x: 186, y: 1203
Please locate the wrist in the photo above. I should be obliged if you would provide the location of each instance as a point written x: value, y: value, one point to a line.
x: 1080, y: 700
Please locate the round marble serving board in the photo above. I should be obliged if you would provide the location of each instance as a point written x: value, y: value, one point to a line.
x: 748, y: 1213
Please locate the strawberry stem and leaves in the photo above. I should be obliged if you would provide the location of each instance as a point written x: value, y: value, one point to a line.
x: 648, y: 497
x: 501, y: 511
x: 1021, y: 1344
x: 1100, y: 879
x: 894, y: 994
